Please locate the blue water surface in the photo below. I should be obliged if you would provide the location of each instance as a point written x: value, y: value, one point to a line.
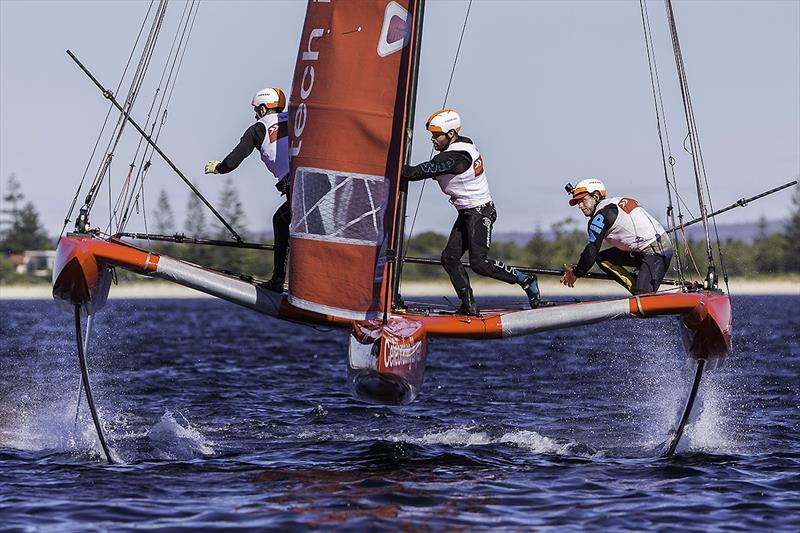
x: 224, y: 419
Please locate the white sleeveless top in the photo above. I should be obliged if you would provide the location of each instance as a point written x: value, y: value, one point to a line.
x: 470, y: 188
x: 275, y: 148
x: 634, y: 230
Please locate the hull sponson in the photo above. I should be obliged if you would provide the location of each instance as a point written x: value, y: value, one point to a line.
x: 228, y: 288
x: 535, y: 320
x: 239, y: 292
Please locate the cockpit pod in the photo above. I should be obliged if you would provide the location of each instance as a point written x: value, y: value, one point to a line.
x: 386, y: 362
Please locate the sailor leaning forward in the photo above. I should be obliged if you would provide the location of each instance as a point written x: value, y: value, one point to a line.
x: 270, y: 136
x: 638, y: 240
x: 458, y: 168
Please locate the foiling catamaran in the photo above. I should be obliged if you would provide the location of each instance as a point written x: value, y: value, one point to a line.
x: 348, y: 142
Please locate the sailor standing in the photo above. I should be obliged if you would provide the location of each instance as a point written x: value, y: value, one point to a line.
x: 270, y: 136
x: 638, y: 240
x: 458, y: 168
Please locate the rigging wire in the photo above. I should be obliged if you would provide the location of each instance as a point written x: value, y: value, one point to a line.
x: 658, y: 103
x: 109, y: 95
x: 165, y: 89
x: 701, y: 177
x: 142, y: 166
x: 655, y: 85
x: 68, y: 216
x: 130, y: 100
x: 136, y: 85
x: 444, y: 104
x: 125, y: 116
x: 164, y: 114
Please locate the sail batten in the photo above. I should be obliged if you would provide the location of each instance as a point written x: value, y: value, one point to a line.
x: 345, y: 143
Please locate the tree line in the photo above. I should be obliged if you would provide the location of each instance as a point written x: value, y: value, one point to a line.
x: 21, y: 229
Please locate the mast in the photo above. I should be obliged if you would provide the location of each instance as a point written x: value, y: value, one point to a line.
x: 694, y: 141
x: 397, y: 243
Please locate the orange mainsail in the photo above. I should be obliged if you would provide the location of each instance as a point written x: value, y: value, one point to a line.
x: 346, y: 124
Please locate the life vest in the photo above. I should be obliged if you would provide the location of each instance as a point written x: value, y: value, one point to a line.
x: 470, y: 188
x: 634, y: 230
x: 275, y: 148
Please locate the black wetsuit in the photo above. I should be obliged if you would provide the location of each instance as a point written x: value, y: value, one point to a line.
x: 252, y: 139
x: 651, y: 264
x: 472, y: 230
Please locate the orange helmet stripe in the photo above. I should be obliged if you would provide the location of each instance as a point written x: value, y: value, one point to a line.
x: 434, y: 128
x: 281, y: 103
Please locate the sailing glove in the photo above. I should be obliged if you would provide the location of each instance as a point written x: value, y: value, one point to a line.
x: 211, y: 167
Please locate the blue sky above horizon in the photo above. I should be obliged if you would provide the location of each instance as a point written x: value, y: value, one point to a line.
x: 550, y: 92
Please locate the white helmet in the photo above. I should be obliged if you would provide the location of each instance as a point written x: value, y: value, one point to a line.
x: 271, y: 97
x: 443, y: 121
x: 587, y: 186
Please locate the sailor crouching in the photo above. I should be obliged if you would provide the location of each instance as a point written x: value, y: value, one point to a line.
x: 458, y: 168
x: 638, y: 240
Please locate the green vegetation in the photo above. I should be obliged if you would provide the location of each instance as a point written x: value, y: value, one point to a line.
x: 20, y: 228
x: 256, y: 263
x: 770, y: 254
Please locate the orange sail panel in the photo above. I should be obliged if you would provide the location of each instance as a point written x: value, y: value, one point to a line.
x: 346, y: 137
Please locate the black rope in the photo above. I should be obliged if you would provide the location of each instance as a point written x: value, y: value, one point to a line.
x: 536, y: 270
x: 171, y: 82
x: 673, y: 185
x: 180, y: 238
x: 133, y: 93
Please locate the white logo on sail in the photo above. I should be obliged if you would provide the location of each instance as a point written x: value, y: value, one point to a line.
x: 394, y: 33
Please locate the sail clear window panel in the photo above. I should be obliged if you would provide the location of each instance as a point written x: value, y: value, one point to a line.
x: 338, y: 206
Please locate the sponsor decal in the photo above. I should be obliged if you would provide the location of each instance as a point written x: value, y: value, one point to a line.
x: 488, y: 223
x: 273, y: 132
x: 395, y: 31
x: 628, y: 205
x: 399, y: 355
x: 500, y: 264
x: 308, y: 59
x: 477, y: 166
x: 596, y: 227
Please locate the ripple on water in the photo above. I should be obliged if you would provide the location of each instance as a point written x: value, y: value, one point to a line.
x: 246, y: 422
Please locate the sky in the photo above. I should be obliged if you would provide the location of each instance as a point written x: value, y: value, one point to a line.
x: 550, y: 91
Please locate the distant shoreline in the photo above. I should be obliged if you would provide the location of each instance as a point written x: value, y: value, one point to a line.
x: 159, y: 289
